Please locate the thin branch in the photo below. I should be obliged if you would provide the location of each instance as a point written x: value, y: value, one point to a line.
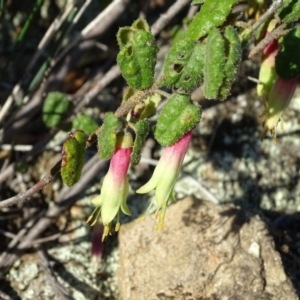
x: 204, y: 191
x: 164, y: 19
x: 98, y: 25
x: 163, y: 93
x: 43, y: 220
x: 272, y: 9
x: 59, y: 291
x: 275, y: 34
x: 26, y: 148
x: 56, y: 24
x: 134, y: 100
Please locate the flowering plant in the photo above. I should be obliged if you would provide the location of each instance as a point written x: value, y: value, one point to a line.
x: 207, y: 54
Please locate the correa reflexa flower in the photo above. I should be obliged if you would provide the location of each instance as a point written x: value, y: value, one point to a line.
x: 115, y: 188
x: 275, y: 91
x: 267, y: 72
x: 165, y: 175
x: 278, y: 100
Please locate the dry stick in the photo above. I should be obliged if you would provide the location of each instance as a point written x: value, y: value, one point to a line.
x: 98, y: 25
x: 34, y: 189
x: 275, y: 34
x: 101, y: 22
x: 275, y: 5
x: 4, y: 296
x: 128, y: 105
x: 59, y: 291
x: 19, y: 236
x: 164, y: 19
x: 56, y: 24
x: 112, y: 74
x: 65, y: 199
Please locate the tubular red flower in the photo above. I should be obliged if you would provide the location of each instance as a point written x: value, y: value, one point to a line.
x: 279, y: 98
x: 114, y: 191
x: 166, y: 173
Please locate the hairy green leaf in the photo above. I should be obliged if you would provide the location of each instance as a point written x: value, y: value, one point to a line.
x: 137, y: 56
x: 214, y: 64
x: 85, y: 123
x: 142, y: 129
x: 233, y: 49
x: 55, y: 107
x: 289, y: 10
x: 73, y: 157
x: 178, y: 116
x: 212, y: 14
x: 183, y: 68
x: 107, y: 138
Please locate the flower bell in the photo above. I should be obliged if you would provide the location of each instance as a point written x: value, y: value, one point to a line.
x: 275, y: 91
x: 278, y: 100
x: 165, y: 175
x: 267, y: 72
x: 115, y: 187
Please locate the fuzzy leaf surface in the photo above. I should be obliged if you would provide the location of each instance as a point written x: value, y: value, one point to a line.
x: 212, y: 14
x: 183, y: 68
x: 85, y: 123
x: 289, y: 10
x: 73, y: 157
x: 214, y: 64
x: 178, y: 116
x: 142, y: 129
x: 107, y: 138
x: 234, y: 56
x: 55, y: 107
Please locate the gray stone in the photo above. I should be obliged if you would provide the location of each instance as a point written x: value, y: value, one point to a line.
x: 203, y: 252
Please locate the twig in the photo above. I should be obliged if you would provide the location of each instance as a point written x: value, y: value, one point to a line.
x: 56, y: 24
x: 18, y: 237
x: 205, y: 192
x: 34, y: 189
x: 65, y: 199
x: 98, y: 25
x: 134, y: 100
x: 253, y: 79
x: 274, y: 6
x: 163, y: 93
x: 275, y: 34
x: 59, y: 291
x: 4, y: 296
x: 25, y: 148
x: 78, y: 15
x: 164, y: 19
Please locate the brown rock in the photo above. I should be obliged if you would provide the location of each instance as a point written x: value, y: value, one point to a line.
x: 204, y: 252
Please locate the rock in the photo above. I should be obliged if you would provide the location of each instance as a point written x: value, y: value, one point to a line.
x: 203, y: 252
